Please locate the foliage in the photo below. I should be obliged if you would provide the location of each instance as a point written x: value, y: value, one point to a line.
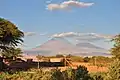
x: 82, y: 73
x: 86, y: 59
x: 69, y: 74
x: 2, y: 65
x: 12, y: 52
x: 114, y: 70
x: 29, y: 75
x: 98, y: 76
x: 10, y: 35
x: 59, y: 55
x: 57, y: 75
x: 115, y: 51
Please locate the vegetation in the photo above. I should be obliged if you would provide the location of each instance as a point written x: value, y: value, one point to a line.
x: 114, y: 69
x: 59, y: 56
x: 75, y: 58
x: 80, y: 73
x: 99, y: 76
x: 115, y: 51
x: 12, y: 53
x: 10, y: 35
x: 86, y: 59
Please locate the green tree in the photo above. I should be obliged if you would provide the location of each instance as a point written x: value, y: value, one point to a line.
x: 59, y: 55
x: 82, y: 73
x: 114, y: 69
x: 12, y: 52
x: 115, y: 51
x: 86, y: 59
x: 10, y: 35
x: 56, y: 74
x: 69, y: 74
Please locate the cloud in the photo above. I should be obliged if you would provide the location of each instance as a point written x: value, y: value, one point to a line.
x: 49, y: 1
x: 34, y: 33
x: 68, y: 5
x: 43, y: 34
x: 84, y: 36
x: 68, y: 34
x: 29, y: 33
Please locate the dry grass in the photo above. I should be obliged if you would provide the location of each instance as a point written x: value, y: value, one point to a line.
x: 90, y: 68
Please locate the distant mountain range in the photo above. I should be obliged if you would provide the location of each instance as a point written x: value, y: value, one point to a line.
x: 88, y: 45
x: 62, y: 46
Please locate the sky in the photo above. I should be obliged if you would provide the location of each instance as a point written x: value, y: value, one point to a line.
x: 42, y: 19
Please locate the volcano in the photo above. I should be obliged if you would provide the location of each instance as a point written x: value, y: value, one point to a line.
x: 60, y: 45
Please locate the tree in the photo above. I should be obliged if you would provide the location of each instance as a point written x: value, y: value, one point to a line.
x: 86, y: 59
x: 56, y: 74
x: 81, y: 73
x: 12, y: 53
x: 10, y: 35
x: 59, y: 55
x: 115, y: 51
x: 69, y: 74
x: 114, y: 69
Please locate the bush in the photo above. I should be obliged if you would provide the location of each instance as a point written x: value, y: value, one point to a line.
x: 81, y: 73
x: 29, y: 75
x: 114, y: 71
x: 98, y: 76
x: 2, y: 66
x: 56, y: 75
x: 86, y: 59
x: 69, y: 74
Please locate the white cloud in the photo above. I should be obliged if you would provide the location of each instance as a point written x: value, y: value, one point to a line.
x: 43, y: 34
x: 83, y: 36
x: 68, y: 5
x: 49, y: 1
x: 68, y: 34
x: 29, y: 33
x: 34, y: 33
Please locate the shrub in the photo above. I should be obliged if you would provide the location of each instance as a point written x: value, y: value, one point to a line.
x: 86, y: 59
x: 98, y: 76
x: 57, y: 74
x: 114, y: 70
x: 69, y: 74
x: 81, y: 73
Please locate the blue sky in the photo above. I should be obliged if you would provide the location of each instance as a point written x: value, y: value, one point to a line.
x: 103, y: 17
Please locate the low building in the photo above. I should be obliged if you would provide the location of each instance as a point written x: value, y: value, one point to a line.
x: 56, y: 59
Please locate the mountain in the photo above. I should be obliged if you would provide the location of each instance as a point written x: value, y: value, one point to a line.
x: 56, y: 45
x: 88, y: 45
x: 60, y: 45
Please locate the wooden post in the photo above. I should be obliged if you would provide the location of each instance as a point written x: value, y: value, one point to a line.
x: 38, y: 64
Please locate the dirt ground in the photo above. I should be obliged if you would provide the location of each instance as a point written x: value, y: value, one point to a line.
x: 89, y: 67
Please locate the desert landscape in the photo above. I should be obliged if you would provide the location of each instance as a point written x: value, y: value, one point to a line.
x: 59, y: 40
